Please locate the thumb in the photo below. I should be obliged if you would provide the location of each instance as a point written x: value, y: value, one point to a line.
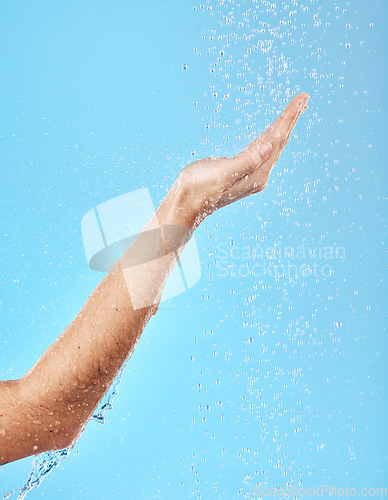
x: 253, y: 156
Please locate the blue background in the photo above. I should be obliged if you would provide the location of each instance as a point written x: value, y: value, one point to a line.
x: 244, y: 379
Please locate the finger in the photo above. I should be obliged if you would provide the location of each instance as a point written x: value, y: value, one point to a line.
x: 279, y: 132
x: 282, y: 127
x: 252, y: 157
x: 245, y: 163
x: 277, y: 135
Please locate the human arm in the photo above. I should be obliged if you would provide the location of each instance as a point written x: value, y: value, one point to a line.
x: 48, y: 407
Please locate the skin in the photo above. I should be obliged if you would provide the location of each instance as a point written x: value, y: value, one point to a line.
x: 49, y: 406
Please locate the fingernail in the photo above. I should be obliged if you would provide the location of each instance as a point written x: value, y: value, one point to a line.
x: 265, y: 149
x: 303, y: 102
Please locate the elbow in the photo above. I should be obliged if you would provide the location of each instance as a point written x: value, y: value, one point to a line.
x: 28, y: 427
x: 57, y: 431
x: 64, y: 437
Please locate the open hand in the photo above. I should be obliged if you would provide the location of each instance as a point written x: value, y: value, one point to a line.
x: 212, y: 183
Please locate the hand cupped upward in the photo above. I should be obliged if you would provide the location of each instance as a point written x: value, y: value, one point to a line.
x: 212, y: 183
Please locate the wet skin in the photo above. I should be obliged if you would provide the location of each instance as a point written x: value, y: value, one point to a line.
x: 49, y: 406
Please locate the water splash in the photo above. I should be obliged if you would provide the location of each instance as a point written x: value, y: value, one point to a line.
x: 44, y: 463
x: 107, y: 400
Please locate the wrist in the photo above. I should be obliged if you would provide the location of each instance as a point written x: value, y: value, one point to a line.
x: 178, y: 207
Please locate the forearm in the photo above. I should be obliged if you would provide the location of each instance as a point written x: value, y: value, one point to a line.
x: 69, y: 380
x: 64, y: 387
